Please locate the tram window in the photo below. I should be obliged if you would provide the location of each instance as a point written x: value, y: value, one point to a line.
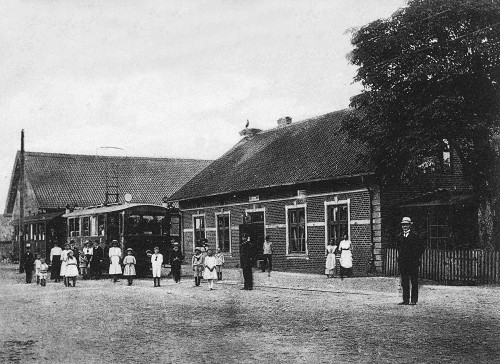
x: 144, y: 225
x: 100, y: 224
x: 93, y: 226
x: 86, y: 226
x: 74, y: 227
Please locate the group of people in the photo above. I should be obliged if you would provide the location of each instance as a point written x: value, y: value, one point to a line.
x: 207, y: 265
x: 345, y: 260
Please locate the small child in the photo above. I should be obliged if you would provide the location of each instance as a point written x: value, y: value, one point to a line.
x: 71, y: 269
x: 219, y: 262
x: 156, y: 263
x: 43, y: 272
x: 84, y: 263
x: 37, y: 268
x: 210, y: 271
x: 197, y: 263
x: 129, y: 263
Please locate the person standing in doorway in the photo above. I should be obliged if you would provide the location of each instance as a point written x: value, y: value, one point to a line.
x: 267, y: 255
x: 247, y: 261
x: 410, y: 249
x: 156, y: 263
x: 345, y: 249
x: 55, y: 262
x: 28, y: 262
x: 331, y: 248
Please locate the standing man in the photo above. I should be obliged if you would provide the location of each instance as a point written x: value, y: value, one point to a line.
x: 410, y: 249
x: 96, y: 260
x: 28, y: 261
x: 246, y: 261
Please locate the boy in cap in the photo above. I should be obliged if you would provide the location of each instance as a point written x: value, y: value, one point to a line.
x: 197, y: 263
x: 176, y: 259
x: 156, y: 263
x: 43, y: 272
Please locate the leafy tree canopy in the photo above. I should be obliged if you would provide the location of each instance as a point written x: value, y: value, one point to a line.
x: 431, y: 76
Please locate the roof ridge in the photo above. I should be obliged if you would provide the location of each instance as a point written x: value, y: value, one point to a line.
x: 294, y: 123
x: 48, y: 154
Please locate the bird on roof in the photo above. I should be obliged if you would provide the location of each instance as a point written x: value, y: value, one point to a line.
x: 248, y: 123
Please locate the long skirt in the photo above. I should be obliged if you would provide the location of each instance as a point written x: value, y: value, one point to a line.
x: 55, y: 271
x: 63, y: 268
x: 129, y: 270
x: 330, y: 263
x: 115, y: 267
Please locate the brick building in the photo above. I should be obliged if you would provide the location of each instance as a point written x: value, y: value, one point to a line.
x: 54, y: 182
x: 302, y: 184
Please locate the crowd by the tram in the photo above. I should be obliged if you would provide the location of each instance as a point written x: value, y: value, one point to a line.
x: 67, y: 264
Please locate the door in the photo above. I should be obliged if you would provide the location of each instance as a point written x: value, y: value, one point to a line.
x: 253, y: 226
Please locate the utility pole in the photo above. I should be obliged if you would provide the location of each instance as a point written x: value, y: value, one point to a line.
x: 21, y: 205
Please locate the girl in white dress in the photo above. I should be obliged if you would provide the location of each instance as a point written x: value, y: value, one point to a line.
x: 210, y: 272
x: 345, y: 257
x: 115, y: 254
x: 129, y: 263
x: 71, y: 269
x: 330, y: 259
x: 64, y: 258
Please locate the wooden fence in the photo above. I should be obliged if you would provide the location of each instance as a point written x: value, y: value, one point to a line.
x: 452, y: 266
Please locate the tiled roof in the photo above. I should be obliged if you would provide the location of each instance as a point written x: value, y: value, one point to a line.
x: 61, y: 179
x: 311, y: 150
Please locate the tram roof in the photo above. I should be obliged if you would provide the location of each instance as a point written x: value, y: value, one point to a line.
x: 111, y: 208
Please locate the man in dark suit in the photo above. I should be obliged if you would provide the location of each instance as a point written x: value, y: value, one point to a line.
x: 410, y: 249
x: 247, y: 260
x: 95, y: 263
x: 28, y: 261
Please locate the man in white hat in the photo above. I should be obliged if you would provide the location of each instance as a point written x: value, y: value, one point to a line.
x: 410, y: 249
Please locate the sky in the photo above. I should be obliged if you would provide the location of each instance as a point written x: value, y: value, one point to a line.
x: 168, y: 78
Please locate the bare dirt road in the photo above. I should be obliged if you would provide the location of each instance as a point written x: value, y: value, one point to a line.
x: 287, y: 318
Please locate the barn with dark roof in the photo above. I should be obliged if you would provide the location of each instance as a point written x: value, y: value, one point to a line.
x: 56, y: 181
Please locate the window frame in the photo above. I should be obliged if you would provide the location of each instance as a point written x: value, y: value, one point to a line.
x: 217, y: 236
x: 330, y: 204
x: 194, y: 218
x: 289, y: 253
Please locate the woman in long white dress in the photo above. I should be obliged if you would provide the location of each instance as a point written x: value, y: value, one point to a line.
x: 345, y: 257
x: 115, y: 254
x: 330, y: 259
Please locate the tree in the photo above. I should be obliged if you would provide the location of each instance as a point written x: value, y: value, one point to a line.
x: 431, y: 78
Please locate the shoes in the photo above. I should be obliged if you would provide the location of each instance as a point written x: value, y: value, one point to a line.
x: 403, y: 303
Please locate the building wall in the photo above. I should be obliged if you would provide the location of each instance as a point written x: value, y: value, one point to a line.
x: 362, y: 202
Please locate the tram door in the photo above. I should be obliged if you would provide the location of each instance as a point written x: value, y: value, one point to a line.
x: 253, y: 226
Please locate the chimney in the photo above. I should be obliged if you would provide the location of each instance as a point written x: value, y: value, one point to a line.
x: 287, y: 120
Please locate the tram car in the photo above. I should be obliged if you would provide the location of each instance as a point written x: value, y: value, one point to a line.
x: 138, y: 226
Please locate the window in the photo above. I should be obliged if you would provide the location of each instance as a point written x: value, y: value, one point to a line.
x: 446, y: 162
x: 296, y: 230
x: 338, y: 222
x: 199, y: 230
x: 223, y: 232
x: 86, y: 226
x: 437, y: 232
x: 74, y: 227
x: 175, y: 225
x: 40, y: 231
x: 32, y: 231
x: 93, y: 226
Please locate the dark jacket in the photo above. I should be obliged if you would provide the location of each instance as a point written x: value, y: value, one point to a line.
x: 247, y: 254
x: 97, y: 254
x: 176, y: 256
x: 410, y: 250
x: 28, y: 260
